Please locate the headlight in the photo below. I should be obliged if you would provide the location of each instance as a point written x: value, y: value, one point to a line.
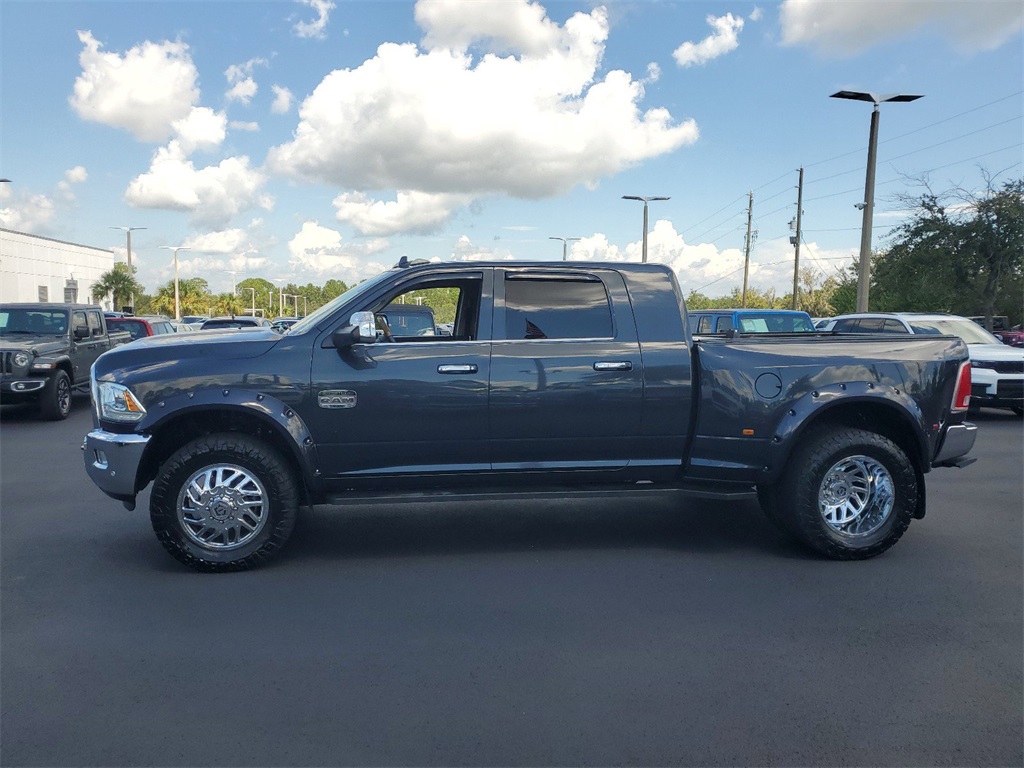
x: 21, y: 359
x: 982, y: 364
x: 117, y: 403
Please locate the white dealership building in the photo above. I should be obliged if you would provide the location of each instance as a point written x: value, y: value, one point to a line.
x: 35, y: 268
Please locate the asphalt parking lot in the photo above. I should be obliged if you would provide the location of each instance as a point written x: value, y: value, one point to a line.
x: 623, y: 631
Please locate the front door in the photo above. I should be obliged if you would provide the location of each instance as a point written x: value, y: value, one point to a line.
x: 408, y: 405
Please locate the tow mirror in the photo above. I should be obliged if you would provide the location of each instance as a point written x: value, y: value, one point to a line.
x: 362, y: 329
x: 81, y: 332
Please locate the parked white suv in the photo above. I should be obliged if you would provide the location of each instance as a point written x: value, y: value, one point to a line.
x: 997, y: 370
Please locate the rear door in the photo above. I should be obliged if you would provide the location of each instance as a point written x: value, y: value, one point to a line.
x: 566, y: 387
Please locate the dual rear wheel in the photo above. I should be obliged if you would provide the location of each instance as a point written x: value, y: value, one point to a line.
x: 848, y: 494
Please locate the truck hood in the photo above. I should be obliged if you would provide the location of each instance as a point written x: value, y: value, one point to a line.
x: 37, y: 343
x: 995, y: 353
x: 229, y: 344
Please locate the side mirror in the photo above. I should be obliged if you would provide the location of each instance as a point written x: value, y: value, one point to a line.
x: 362, y: 329
x: 81, y: 332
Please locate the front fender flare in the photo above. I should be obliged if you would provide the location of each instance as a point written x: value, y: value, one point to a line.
x: 276, y: 414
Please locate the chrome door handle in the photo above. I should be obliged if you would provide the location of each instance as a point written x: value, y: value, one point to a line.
x: 457, y: 369
x: 620, y: 365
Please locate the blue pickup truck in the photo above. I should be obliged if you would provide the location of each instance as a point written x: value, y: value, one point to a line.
x: 574, y: 378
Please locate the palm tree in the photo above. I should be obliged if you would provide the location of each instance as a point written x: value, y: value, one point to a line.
x: 229, y: 304
x: 119, y: 282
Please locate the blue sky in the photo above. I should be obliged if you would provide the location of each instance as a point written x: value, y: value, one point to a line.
x: 312, y: 140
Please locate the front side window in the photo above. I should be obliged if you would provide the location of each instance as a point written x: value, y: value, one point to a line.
x: 436, y: 309
x: 95, y: 326
x: 539, y: 308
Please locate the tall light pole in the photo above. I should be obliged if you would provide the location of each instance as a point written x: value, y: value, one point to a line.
x: 565, y: 244
x: 232, y: 272
x: 864, y: 274
x: 128, y: 231
x: 280, y: 294
x: 176, y: 248
x: 644, y: 200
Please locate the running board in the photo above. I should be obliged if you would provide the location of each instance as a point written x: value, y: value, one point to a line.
x: 717, y: 491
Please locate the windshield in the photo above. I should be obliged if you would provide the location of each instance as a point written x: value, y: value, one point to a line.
x: 775, y: 322
x: 40, y: 321
x: 966, y: 329
x: 327, y: 309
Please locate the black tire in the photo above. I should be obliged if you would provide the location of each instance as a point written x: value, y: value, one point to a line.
x: 240, y: 521
x: 846, y: 493
x: 1017, y: 410
x: 55, y: 399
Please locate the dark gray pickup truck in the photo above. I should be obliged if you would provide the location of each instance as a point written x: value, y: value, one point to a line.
x: 46, y: 351
x: 557, y: 377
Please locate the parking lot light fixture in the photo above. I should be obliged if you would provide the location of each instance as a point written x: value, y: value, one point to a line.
x: 177, y: 305
x: 868, y: 204
x: 128, y: 231
x: 645, y: 201
x: 565, y: 243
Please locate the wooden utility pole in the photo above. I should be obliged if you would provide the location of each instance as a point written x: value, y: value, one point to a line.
x: 746, y: 249
x: 796, y: 240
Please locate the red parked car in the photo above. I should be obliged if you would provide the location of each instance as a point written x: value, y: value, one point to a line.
x: 141, y: 326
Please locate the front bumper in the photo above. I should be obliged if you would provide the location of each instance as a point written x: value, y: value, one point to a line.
x: 112, y: 461
x: 958, y: 441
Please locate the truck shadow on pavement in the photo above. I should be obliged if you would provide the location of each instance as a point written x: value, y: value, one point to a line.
x: 452, y: 528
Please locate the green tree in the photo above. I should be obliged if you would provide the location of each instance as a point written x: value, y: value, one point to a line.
x: 228, y: 304
x: 193, y: 297
x: 118, y: 282
x: 961, y: 252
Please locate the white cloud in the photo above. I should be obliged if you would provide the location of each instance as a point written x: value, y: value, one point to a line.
x: 436, y: 122
x: 465, y: 249
x: 242, y: 91
x: 516, y: 26
x: 221, y: 242
x: 757, y: 14
x: 212, y: 195
x: 724, y: 39
x: 249, y: 127
x: 411, y: 212
x: 33, y: 214
x: 76, y: 175
x: 282, y: 100
x: 144, y: 92
x: 316, y: 28
x: 653, y: 72
x: 243, y: 86
x: 201, y: 129
x: 321, y: 250
x: 704, y: 267
x: 848, y: 28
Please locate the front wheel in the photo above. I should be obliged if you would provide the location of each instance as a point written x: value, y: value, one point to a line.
x: 848, y: 494
x: 55, y: 398
x: 224, y: 502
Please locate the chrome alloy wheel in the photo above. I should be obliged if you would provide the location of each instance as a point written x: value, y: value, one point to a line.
x: 222, y: 507
x: 856, y: 496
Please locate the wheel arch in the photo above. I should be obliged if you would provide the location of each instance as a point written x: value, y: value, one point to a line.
x: 884, y: 410
x: 280, y: 428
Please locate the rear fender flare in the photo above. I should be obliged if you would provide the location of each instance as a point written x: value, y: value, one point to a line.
x: 814, y: 406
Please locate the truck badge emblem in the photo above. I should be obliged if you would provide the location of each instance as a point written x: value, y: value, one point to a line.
x: 336, y: 398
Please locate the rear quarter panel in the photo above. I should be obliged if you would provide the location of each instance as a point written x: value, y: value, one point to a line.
x: 758, y: 396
